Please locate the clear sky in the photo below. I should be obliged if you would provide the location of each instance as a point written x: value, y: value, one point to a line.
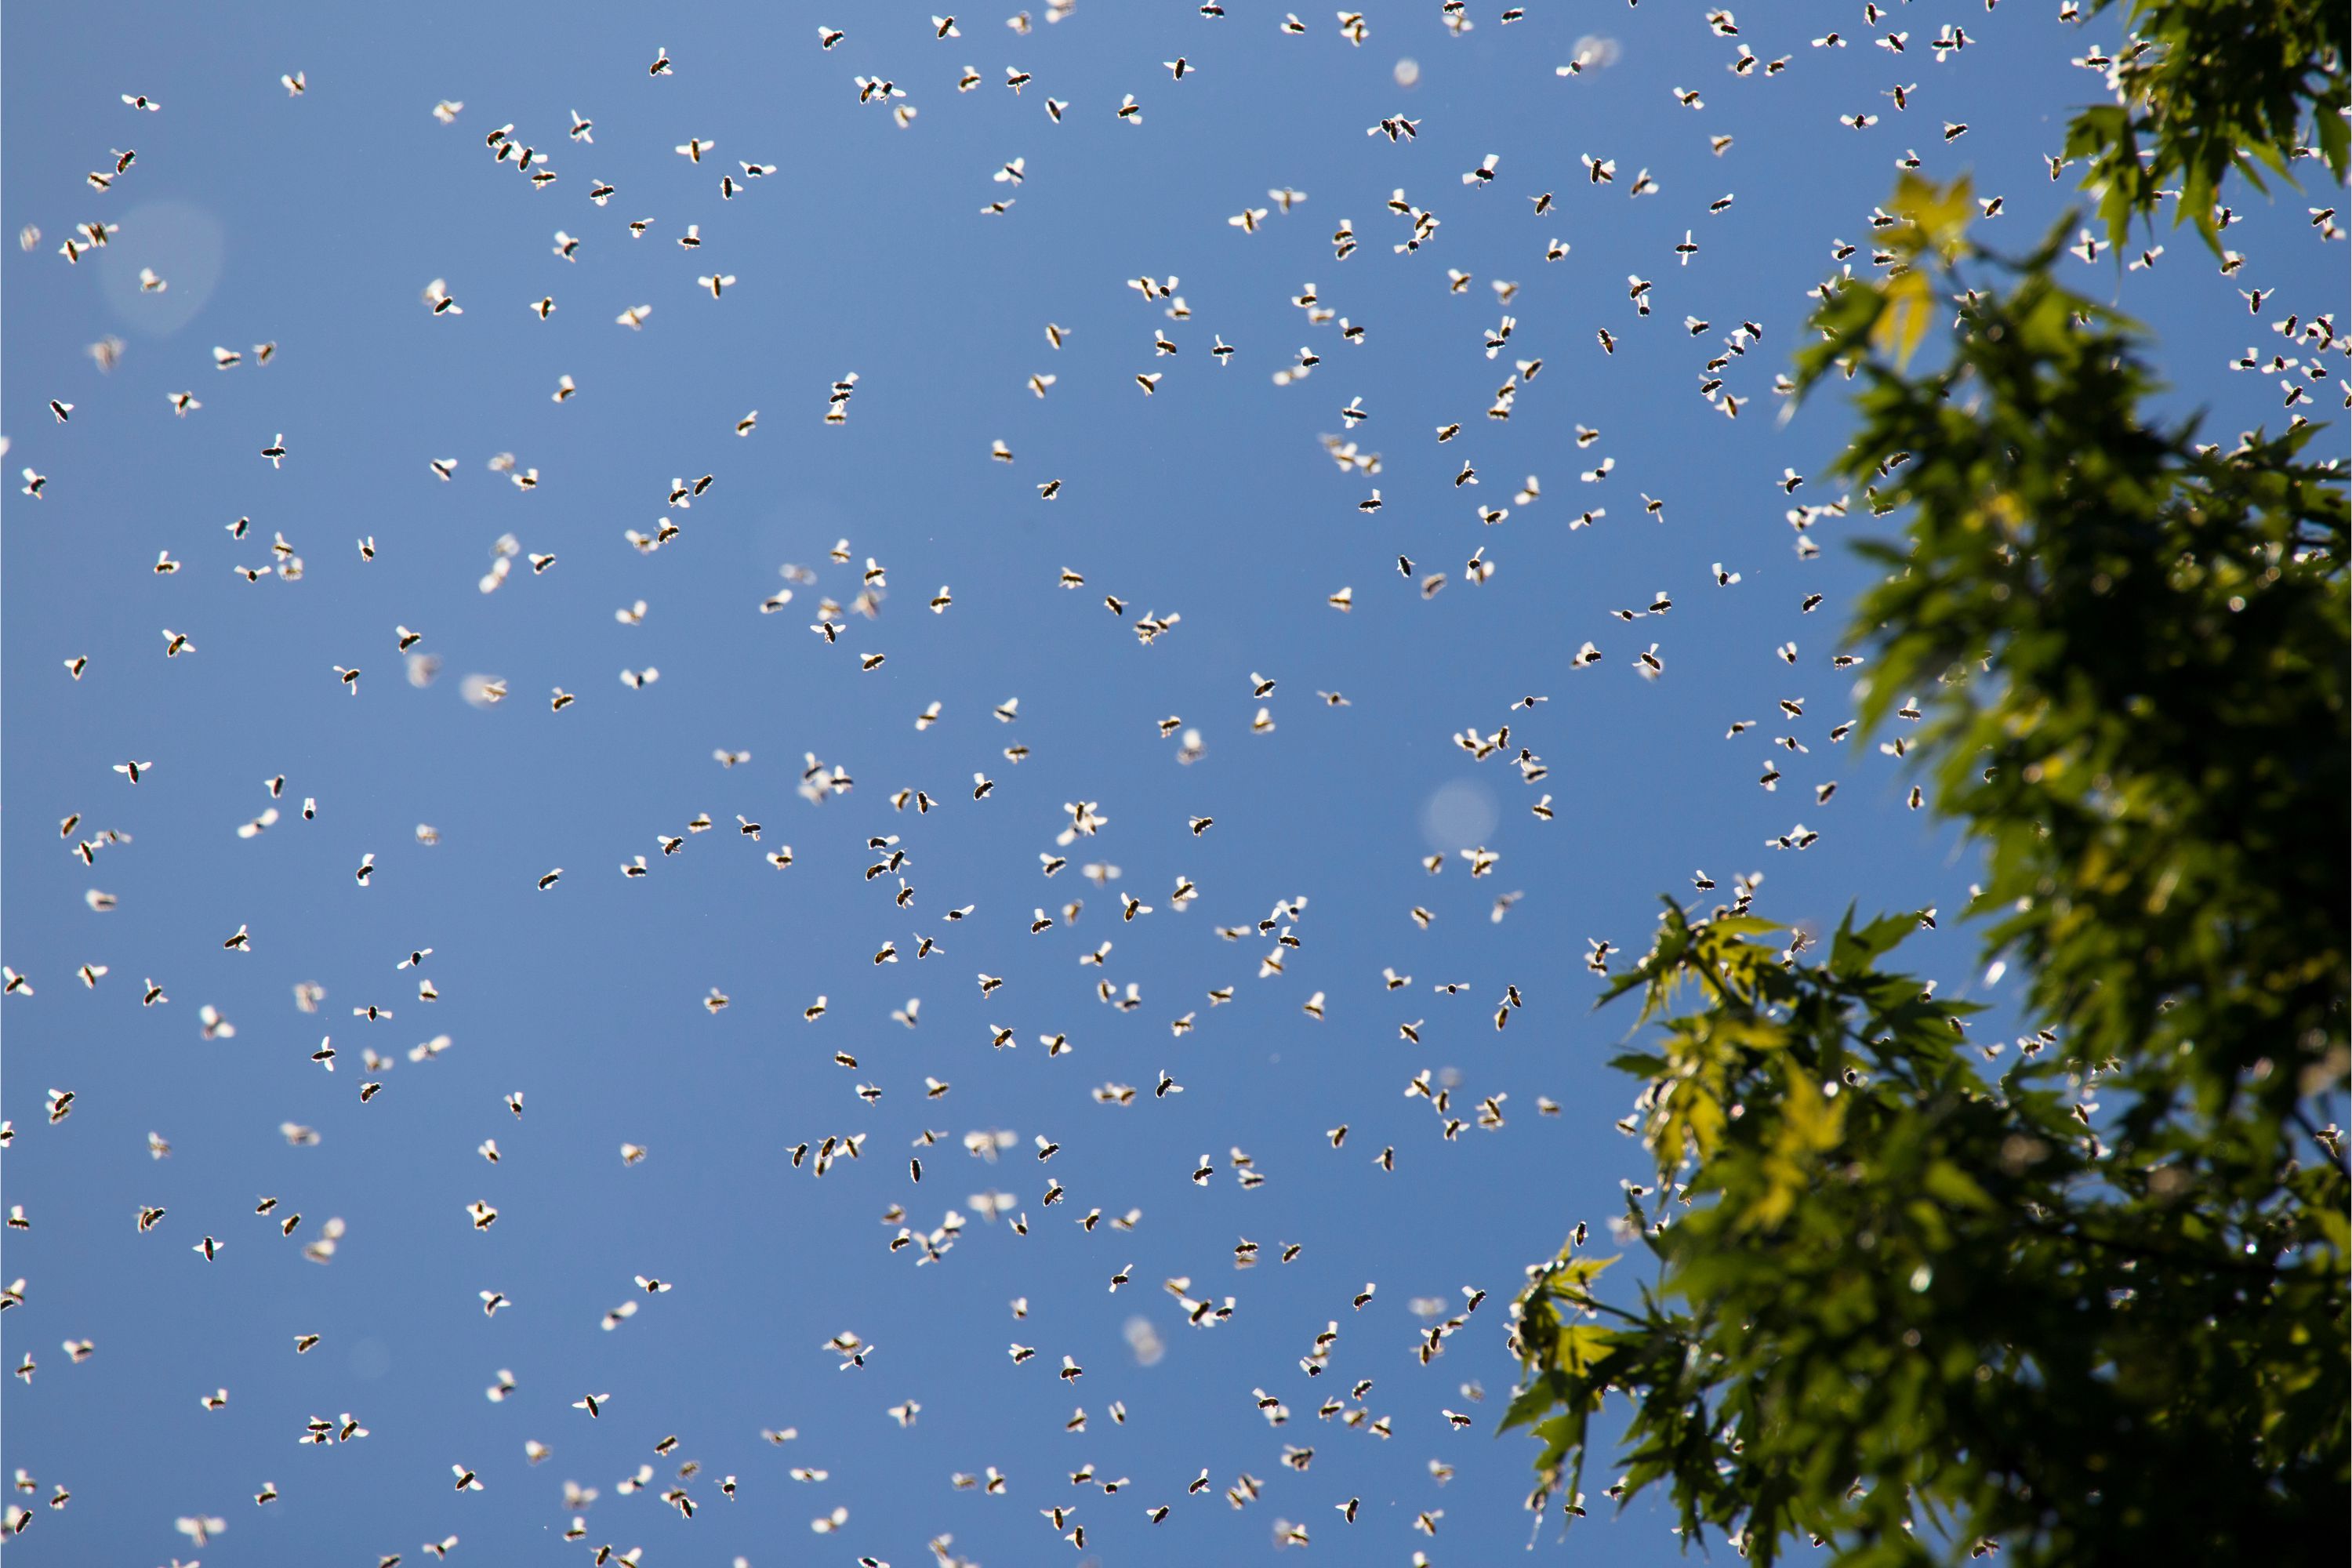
x: 314, y: 222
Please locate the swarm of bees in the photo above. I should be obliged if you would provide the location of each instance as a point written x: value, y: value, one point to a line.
x: 1158, y: 834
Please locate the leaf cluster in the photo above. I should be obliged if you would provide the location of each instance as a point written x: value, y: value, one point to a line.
x: 2094, y: 1307
x: 1906, y: 1309
x: 2206, y: 87
x: 2132, y: 648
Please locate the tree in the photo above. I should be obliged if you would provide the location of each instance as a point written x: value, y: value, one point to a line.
x: 2206, y: 87
x: 2083, y: 1294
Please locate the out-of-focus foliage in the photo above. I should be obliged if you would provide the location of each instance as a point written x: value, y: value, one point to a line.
x: 2206, y: 87
x: 2131, y: 646
x: 2094, y: 1307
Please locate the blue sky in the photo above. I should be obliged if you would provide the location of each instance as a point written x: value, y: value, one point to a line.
x: 314, y: 222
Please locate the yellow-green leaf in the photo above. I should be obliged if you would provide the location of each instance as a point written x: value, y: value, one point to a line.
x: 1903, y: 320
x: 1582, y: 1347
x: 1937, y: 216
